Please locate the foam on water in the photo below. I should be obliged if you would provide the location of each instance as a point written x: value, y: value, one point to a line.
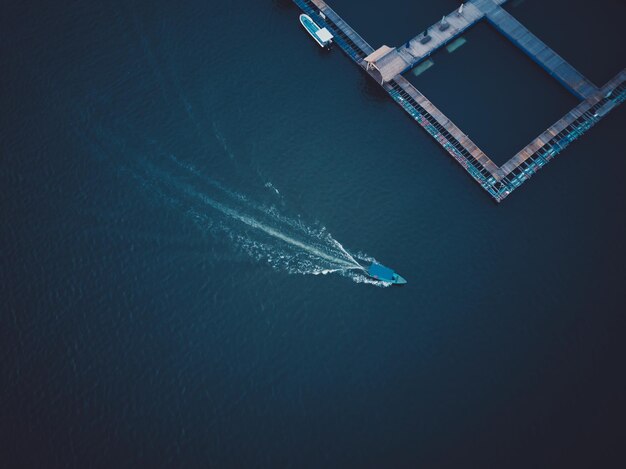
x: 271, y: 186
x: 365, y: 257
x: 222, y: 141
x: 263, y: 233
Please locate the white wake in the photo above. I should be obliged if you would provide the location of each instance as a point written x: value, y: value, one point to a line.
x: 264, y: 233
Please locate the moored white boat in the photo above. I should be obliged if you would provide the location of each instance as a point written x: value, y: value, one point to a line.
x: 321, y: 35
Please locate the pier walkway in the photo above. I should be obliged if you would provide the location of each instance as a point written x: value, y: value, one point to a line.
x: 549, y: 60
x: 386, y: 64
x: 570, y: 126
x: 395, y: 61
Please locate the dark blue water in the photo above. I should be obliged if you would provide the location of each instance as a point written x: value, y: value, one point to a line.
x: 184, y: 186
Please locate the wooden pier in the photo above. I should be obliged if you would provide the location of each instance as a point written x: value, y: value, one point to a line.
x: 567, y: 129
x: 386, y: 65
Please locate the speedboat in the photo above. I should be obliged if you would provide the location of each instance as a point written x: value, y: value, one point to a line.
x: 384, y: 274
x: 321, y: 35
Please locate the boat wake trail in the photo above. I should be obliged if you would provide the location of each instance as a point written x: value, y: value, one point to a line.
x: 261, y: 232
x: 258, y: 230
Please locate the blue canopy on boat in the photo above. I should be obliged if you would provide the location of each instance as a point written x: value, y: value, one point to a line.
x: 381, y: 272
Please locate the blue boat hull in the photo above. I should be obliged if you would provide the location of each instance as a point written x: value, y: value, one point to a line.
x: 385, y: 274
